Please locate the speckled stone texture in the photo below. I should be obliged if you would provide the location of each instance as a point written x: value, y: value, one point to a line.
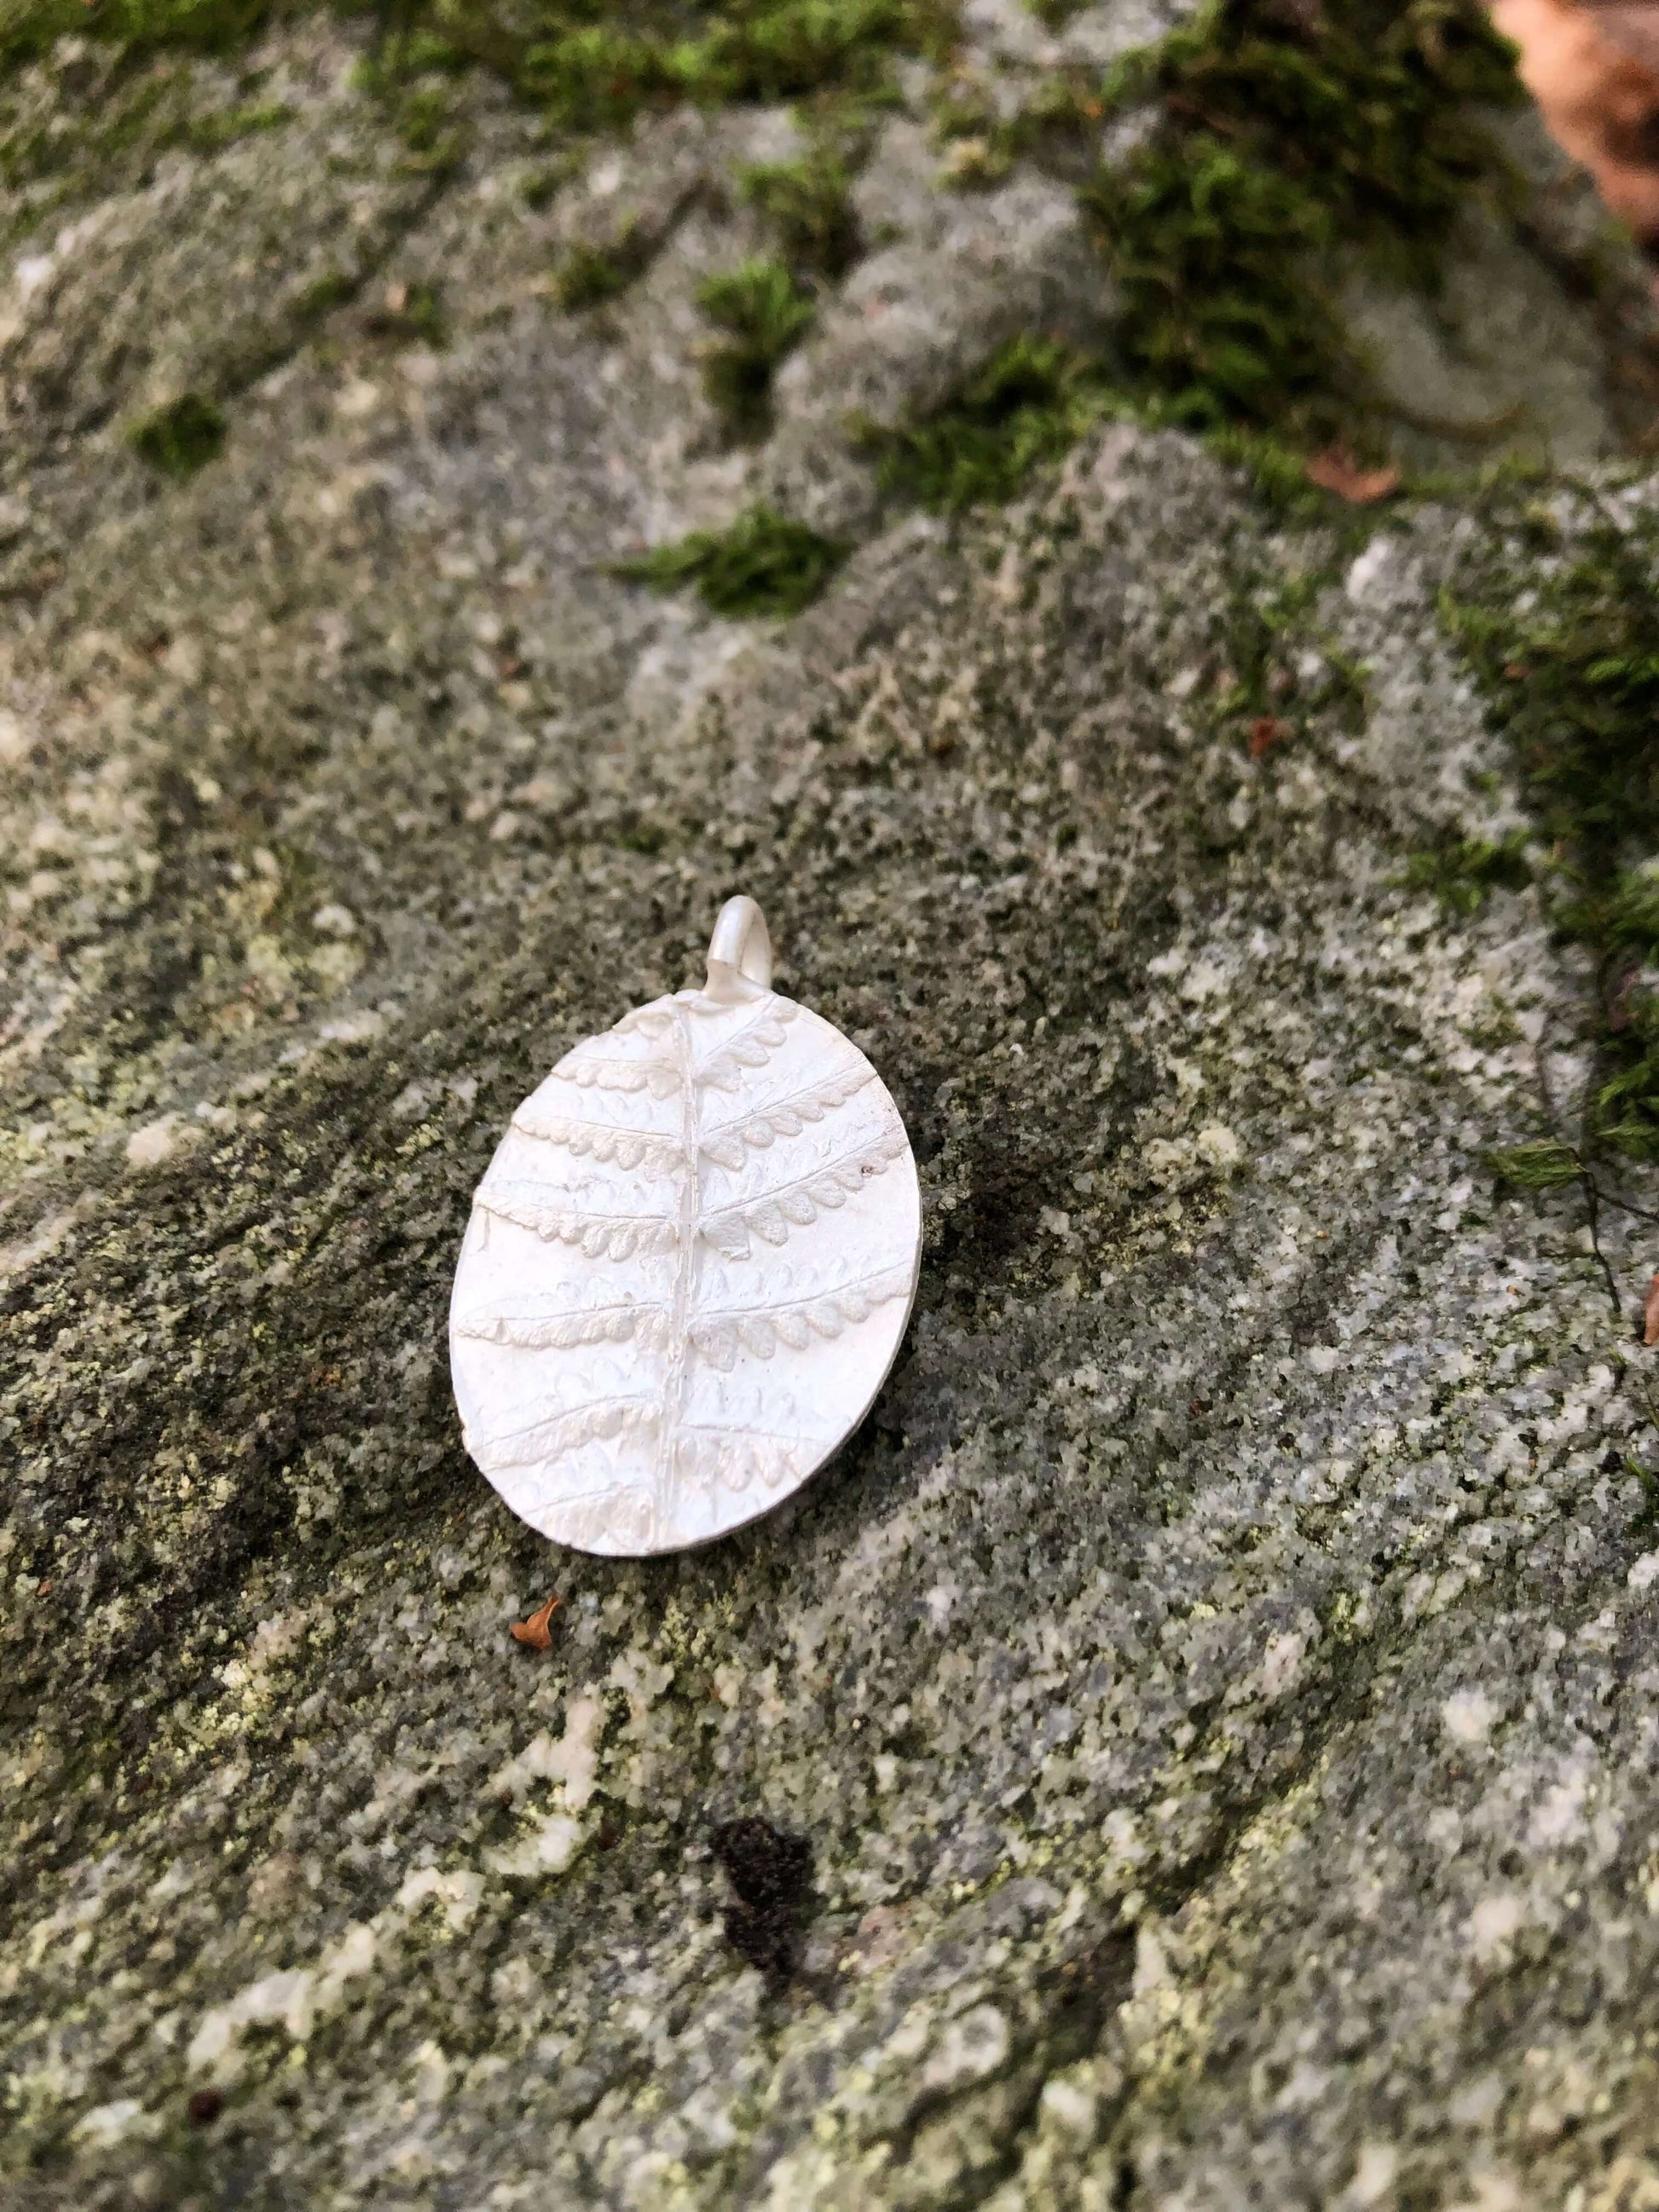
x: 1216, y: 1688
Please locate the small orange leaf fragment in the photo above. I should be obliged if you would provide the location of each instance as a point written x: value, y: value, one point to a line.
x: 1651, y: 1314
x: 535, y: 1632
x: 1265, y: 731
x: 1336, y: 470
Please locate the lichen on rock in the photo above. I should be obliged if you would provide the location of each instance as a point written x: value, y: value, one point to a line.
x: 1202, y: 1722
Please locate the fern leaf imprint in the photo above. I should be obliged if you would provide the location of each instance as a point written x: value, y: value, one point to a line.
x: 690, y: 1264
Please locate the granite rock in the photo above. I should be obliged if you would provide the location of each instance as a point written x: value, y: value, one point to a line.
x: 1214, y: 1691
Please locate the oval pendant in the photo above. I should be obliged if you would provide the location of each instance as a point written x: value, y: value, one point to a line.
x: 689, y: 1267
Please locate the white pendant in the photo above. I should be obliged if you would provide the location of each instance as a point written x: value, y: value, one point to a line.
x: 689, y: 1267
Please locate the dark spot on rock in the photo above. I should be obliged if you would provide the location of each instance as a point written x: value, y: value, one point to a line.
x: 1012, y: 1171
x: 770, y: 1873
x: 925, y: 1113
x: 205, y: 2106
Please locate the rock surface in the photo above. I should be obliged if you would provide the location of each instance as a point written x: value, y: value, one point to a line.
x: 1216, y: 1688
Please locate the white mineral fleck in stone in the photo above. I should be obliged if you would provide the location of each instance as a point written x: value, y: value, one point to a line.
x: 1495, y: 1920
x: 1281, y: 1664
x: 1217, y: 1146
x: 148, y: 1146
x: 1467, y: 1716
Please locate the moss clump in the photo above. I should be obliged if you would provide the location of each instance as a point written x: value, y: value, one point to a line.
x: 970, y: 131
x: 1574, y: 681
x: 1029, y: 402
x: 588, y: 62
x: 764, y: 310
x: 332, y: 289
x: 765, y: 564
x: 594, y: 65
x: 434, y: 132
x: 210, y: 134
x: 808, y: 203
x: 141, y: 26
x: 1287, y: 141
x: 180, y: 439
x: 1461, y: 872
x: 598, y: 76
x: 590, y: 274
x: 1058, y: 123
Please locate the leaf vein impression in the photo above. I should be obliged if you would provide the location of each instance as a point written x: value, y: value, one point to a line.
x: 726, y: 1143
x: 563, y: 1429
x: 720, y: 1332
x: 600, y: 1140
x: 555, y: 1323
x: 611, y: 1071
x: 549, y: 1211
x: 771, y: 1214
x: 750, y: 1046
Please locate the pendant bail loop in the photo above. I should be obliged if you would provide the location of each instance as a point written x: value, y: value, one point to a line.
x: 740, y: 950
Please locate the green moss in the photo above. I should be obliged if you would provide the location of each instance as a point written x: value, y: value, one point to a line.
x: 765, y: 564
x: 1029, y: 402
x: 596, y: 78
x: 543, y: 186
x: 1462, y: 871
x: 785, y: 49
x: 181, y: 439
x: 590, y: 274
x: 1056, y: 125
x: 330, y: 290
x: 210, y: 134
x: 31, y: 28
x: 588, y: 64
x: 808, y: 203
x: 594, y: 65
x: 1647, y: 1487
x: 1285, y: 144
x: 1568, y: 652
x: 434, y: 132
x: 969, y: 129
x: 1278, y: 471
x: 764, y: 310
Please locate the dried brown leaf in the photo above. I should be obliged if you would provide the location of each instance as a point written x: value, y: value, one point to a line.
x: 1651, y: 1314
x: 1336, y: 470
x: 536, y: 1632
